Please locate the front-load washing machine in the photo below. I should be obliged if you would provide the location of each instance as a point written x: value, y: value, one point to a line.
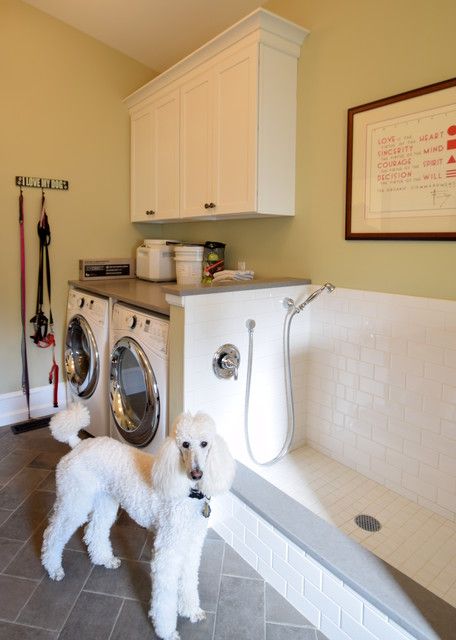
x: 87, y: 356
x: 139, y: 377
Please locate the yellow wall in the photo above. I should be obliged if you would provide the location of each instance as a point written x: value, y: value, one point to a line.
x: 358, y: 51
x: 61, y: 116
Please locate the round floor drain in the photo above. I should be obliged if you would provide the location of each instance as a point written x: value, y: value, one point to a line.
x: 368, y: 523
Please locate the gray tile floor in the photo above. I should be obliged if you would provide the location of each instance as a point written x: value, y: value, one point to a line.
x: 94, y: 603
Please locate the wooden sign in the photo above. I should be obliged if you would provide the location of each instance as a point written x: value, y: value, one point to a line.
x: 42, y: 183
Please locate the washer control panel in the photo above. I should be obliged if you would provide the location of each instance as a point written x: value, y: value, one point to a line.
x: 149, y: 330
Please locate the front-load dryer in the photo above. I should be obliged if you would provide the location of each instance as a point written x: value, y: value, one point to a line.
x: 139, y: 377
x: 87, y: 356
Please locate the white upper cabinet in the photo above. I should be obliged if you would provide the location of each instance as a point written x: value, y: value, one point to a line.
x: 155, y: 159
x: 234, y: 156
x: 141, y: 164
x: 196, y: 134
x: 218, y: 138
x: 215, y: 135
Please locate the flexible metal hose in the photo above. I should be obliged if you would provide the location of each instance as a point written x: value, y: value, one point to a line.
x: 250, y: 324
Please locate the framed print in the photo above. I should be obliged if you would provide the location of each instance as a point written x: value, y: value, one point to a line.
x: 401, y: 166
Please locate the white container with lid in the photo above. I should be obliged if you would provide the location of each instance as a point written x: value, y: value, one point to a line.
x: 189, y: 263
x: 155, y: 260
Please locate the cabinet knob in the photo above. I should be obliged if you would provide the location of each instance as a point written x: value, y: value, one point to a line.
x: 209, y: 205
x: 150, y: 213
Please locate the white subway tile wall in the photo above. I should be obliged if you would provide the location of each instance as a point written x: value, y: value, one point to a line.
x: 213, y: 320
x: 374, y: 382
x: 401, y: 353
x: 320, y: 596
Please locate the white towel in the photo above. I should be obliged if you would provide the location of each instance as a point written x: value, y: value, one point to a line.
x: 227, y: 274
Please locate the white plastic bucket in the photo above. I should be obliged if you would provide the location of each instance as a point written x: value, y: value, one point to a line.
x: 189, y: 264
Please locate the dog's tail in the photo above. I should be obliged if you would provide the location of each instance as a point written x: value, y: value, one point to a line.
x: 66, y: 424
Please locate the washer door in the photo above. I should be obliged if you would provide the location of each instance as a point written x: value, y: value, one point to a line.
x: 135, y: 400
x: 82, y: 360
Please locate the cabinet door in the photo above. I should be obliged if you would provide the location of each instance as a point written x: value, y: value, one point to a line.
x: 235, y: 132
x: 196, y: 146
x: 155, y: 160
x: 166, y: 157
x: 142, y: 195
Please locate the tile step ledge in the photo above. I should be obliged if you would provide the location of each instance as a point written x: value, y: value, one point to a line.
x: 409, y: 604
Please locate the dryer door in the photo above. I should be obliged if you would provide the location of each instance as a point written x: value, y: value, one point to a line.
x: 135, y: 400
x: 82, y: 360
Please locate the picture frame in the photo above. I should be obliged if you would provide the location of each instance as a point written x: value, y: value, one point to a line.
x: 401, y: 166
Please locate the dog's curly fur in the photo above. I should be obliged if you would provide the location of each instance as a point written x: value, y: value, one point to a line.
x: 100, y: 474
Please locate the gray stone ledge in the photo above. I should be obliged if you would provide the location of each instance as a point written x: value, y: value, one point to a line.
x: 410, y: 605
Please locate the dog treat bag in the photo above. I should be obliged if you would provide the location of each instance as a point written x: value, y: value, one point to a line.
x: 213, y: 260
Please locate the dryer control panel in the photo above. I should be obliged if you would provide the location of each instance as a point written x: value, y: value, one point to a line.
x: 148, y: 329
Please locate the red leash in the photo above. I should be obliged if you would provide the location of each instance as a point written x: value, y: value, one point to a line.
x: 25, y: 372
x: 54, y: 377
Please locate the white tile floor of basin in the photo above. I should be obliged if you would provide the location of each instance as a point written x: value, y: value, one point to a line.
x: 415, y: 540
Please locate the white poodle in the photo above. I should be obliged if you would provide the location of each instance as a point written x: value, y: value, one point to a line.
x: 170, y: 492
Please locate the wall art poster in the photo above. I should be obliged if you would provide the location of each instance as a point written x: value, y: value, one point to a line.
x: 401, y: 166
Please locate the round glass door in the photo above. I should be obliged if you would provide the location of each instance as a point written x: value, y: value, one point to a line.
x: 81, y: 357
x: 135, y: 400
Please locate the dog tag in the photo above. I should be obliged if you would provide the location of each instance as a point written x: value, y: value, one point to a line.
x: 206, y: 510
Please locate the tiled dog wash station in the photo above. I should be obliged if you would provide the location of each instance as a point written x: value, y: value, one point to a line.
x: 336, y: 393
x: 373, y: 384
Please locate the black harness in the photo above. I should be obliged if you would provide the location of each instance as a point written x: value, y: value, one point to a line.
x: 43, y: 333
x: 43, y: 328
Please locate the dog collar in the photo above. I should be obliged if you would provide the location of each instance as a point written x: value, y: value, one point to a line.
x: 194, y: 493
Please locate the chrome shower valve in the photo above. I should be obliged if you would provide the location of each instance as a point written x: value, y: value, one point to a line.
x: 226, y: 361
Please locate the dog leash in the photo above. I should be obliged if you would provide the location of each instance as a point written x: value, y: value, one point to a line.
x: 25, y: 372
x: 43, y: 335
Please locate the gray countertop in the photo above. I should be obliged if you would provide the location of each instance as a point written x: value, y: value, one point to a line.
x: 152, y: 295
x: 234, y: 285
x: 139, y: 293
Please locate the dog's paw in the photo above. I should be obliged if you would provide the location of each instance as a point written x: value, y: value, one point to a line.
x: 160, y: 632
x: 57, y: 574
x: 112, y: 563
x: 197, y: 615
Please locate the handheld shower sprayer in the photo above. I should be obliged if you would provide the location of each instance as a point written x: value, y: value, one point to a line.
x: 289, y: 303
x: 326, y: 287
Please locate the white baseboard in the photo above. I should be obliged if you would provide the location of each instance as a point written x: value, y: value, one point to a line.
x: 13, y: 406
